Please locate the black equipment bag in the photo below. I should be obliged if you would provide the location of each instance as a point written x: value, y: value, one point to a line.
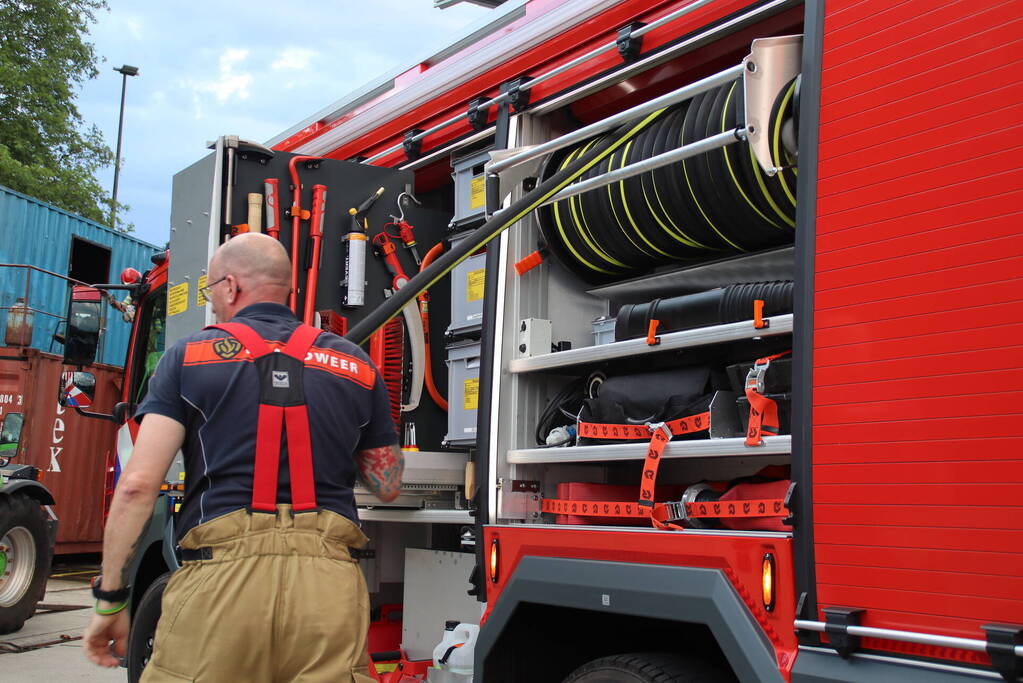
x: 653, y: 397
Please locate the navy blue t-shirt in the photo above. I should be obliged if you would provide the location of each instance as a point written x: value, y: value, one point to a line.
x: 207, y: 382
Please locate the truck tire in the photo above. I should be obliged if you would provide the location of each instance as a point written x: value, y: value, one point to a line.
x: 143, y: 627
x: 650, y: 667
x: 25, y: 556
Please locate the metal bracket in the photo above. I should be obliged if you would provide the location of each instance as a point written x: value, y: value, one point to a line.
x: 789, y: 498
x: 519, y: 500
x: 478, y: 115
x: 517, y: 97
x: 837, y: 621
x: 770, y: 65
x: 629, y: 46
x: 413, y: 148
x: 1002, y: 641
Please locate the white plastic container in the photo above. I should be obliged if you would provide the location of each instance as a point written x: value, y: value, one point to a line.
x: 453, y: 664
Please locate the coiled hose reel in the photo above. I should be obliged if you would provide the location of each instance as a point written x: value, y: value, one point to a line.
x: 708, y: 206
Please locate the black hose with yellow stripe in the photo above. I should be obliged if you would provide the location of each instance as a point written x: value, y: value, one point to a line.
x: 583, y: 162
x: 710, y: 205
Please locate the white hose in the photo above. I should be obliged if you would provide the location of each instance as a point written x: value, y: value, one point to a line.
x: 417, y: 340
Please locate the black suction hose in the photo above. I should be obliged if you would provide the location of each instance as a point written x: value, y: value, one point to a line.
x: 377, y: 318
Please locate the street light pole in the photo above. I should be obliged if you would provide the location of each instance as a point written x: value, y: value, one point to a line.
x: 125, y: 71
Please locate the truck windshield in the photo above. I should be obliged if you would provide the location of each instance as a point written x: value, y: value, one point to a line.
x: 150, y: 343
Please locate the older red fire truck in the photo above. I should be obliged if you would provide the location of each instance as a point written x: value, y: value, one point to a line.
x: 727, y: 293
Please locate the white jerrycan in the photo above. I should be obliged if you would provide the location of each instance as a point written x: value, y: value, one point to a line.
x: 453, y: 656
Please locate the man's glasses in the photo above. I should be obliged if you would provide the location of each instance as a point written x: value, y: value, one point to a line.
x: 207, y: 290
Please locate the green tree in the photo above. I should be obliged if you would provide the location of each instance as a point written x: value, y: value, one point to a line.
x: 46, y: 151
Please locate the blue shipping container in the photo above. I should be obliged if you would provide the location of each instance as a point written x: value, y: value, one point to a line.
x: 39, y: 234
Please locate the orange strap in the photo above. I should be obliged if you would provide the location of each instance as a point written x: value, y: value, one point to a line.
x: 660, y: 434
x: 620, y: 432
x: 763, y: 411
x: 761, y: 507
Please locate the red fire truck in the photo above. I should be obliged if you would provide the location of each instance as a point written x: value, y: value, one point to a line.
x: 726, y: 293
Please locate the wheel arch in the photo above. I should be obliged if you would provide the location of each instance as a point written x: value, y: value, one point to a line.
x: 30, y: 488
x: 572, y: 593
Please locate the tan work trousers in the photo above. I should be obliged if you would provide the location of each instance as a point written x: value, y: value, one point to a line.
x: 280, y: 600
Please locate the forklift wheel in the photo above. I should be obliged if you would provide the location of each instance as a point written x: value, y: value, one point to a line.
x: 143, y: 628
x: 649, y: 667
x: 25, y: 556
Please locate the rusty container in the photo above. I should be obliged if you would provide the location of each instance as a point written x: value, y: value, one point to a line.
x: 20, y: 324
x: 73, y: 453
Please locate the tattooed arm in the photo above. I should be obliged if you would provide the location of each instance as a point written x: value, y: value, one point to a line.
x: 380, y: 471
x: 158, y: 441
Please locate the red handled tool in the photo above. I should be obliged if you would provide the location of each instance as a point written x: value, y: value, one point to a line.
x: 297, y: 215
x: 315, y: 238
x: 272, y: 194
x: 405, y: 233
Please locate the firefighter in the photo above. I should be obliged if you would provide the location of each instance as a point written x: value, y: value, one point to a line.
x: 275, y: 420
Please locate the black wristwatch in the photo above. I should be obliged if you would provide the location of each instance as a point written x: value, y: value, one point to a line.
x: 119, y: 595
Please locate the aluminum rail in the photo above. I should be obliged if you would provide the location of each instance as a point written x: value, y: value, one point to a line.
x: 613, y: 45
x: 666, y: 100
x: 630, y: 348
x: 640, y: 167
x: 971, y: 644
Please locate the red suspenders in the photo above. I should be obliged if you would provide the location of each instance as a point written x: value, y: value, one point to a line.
x: 281, y: 403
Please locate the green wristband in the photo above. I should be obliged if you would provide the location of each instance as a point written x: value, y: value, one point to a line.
x: 112, y: 610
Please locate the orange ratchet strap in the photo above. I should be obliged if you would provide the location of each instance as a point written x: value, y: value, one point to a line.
x: 663, y: 515
x: 765, y: 507
x: 763, y: 411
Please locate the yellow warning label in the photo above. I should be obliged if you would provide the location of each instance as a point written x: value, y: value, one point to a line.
x: 181, y: 476
x: 200, y: 300
x: 474, y: 285
x: 177, y: 299
x: 478, y: 192
x: 471, y: 394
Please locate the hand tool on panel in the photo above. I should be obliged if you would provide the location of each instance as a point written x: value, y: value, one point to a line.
x: 234, y: 146
x: 297, y: 214
x: 313, y: 251
x: 272, y: 192
x: 385, y: 248
x: 255, y: 212
x: 404, y: 228
x: 355, y: 259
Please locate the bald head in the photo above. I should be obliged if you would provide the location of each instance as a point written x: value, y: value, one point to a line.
x: 259, y: 268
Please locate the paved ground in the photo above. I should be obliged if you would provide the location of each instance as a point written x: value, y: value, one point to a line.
x: 49, y: 646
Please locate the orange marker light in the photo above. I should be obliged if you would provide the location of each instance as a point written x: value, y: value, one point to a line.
x: 493, y: 561
x: 767, y: 577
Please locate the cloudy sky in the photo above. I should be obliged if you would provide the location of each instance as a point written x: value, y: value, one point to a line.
x: 253, y: 69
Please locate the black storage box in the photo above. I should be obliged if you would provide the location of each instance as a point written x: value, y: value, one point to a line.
x: 784, y: 402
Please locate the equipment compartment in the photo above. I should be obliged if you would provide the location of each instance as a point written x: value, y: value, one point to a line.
x: 656, y: 329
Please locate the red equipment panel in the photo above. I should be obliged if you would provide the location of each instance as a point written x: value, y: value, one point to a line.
x: 918, y: 474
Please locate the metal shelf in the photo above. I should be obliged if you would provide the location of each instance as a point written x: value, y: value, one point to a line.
x: 704, y: 448
x: 780, y: 324
x: 422, y: 516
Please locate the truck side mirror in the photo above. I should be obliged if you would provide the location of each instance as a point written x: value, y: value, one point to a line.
x: 123, y: 412
x: 84, y: 318
x: 77, y: 389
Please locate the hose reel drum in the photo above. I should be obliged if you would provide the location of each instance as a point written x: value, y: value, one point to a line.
x: 735, y: 199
